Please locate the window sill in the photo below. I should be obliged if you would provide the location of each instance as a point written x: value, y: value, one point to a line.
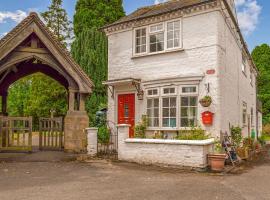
x: 157, y: 53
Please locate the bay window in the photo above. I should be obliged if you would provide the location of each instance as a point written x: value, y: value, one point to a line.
x: 158, y: 37
x: 175, y: 107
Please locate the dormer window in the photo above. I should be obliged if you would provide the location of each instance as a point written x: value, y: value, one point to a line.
x: 157, y: 38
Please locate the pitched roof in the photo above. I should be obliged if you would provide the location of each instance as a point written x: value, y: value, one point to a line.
x: 158, y: 9
x: 34, y: 17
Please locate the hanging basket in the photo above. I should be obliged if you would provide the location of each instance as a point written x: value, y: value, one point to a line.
x: 206, y: 101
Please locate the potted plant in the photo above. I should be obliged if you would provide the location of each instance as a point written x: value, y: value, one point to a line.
x: 206, y: 101
x: 217, y: 158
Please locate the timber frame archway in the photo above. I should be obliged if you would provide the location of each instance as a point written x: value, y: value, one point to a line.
x: 30, y: 48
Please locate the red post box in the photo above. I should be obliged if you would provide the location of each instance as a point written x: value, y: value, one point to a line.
x: 207, y: 118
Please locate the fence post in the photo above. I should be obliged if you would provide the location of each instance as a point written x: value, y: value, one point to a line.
x: 92, y: 141
x: 123, y: 134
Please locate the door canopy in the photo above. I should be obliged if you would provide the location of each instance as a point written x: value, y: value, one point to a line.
x: 31, y: 47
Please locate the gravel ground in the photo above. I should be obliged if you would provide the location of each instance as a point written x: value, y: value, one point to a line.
x: 98, y: 179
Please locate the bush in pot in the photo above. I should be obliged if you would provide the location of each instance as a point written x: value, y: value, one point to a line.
x: 217, y: 158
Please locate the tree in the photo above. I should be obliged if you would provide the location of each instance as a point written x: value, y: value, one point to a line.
x: 94, y: 14
x: 36, y: 95
x: 261, y: 57
x: 57, y: 21
x: 90, y: 46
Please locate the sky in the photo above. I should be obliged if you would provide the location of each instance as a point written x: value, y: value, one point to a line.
x: 253, y: 15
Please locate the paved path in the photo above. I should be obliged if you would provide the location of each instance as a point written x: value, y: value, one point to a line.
x: 101, y: 180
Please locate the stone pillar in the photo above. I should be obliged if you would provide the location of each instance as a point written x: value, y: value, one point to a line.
x: 123, y: 134
x: 71, y: 99
x: 75, y: 135
x: 82, y: 102
x: 92, y: 141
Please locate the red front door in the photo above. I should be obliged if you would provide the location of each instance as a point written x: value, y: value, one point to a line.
x: 126, y: 111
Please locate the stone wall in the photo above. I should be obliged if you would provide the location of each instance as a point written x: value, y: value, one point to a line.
x: 163, y: 152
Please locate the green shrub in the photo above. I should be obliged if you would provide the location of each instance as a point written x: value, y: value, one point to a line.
x: 236, y: 133
x: 193, y: 134
x: 141, y: 127
x: 248, y: 142
x: 262, y: 140
x: 103, y: 135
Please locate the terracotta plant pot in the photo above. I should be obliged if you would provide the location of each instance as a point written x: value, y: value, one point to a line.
x: 217, y: 162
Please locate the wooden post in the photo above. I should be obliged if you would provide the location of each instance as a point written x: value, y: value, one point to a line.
x: 4, y: 104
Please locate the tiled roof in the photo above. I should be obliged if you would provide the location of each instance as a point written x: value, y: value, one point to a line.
x: 34, y: 17
x: 158, y: 9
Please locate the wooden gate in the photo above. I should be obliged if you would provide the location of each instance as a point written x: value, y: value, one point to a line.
x: 51, y: 134
x: 15, y: 133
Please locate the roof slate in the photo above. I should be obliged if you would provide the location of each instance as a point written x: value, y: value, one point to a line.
x: 158, y: 9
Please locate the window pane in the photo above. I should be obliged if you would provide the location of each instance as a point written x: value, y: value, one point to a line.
x: 156, y: 112
x: 173, y: 102
x: 177, y: 25
x: 170, y: 44
x: 149, y: 103
x: 193, y: 101
x: 192, y: 111
x: 184, y: 101
x: 173, y: 112
x: 184, y: 112
x: 165, y: 122
x: 156, y: 102
x: 153, y: 47
x: 160, y: 46
x: 170, y: 26
x: 140, y: 46
x: 173, y: 122
x: 156, y: 122
x: 165, y: 102
x: 176, y: 43
x: 165, y: 112
x: 184, y: 122
x: 188, y: 89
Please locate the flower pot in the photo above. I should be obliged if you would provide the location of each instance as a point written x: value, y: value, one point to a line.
x: 217, y: 162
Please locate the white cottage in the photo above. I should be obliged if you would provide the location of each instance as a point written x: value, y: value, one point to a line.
x: 164, y: 58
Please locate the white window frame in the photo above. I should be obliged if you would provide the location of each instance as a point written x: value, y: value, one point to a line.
x: 153, y: 95
x: 154, y: 33
x: 159, y: 112
x: 170, y: 94
x: 134, y: 40
x: 178, y: 94
x: 148, y: 33
x: 244, y: 65
x: 180, y: 34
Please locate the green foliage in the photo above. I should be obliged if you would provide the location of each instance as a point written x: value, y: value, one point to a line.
x: 96, y: 13
x: 57, y: 21
x: 248, y: 143
x: 90, y: 51
x: 141, y: 127
x: 218, y: 147
x: 236, y: 133
x: 193, y: 134
x: 261, y: 57
x: 262, y: 140
x: 103, y: 135
x: 90, y: 46
x: 36, y: 95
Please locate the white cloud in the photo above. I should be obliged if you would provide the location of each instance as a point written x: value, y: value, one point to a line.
x: 160, y: 1
x: 16, y: 16
x: 248, y: 12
